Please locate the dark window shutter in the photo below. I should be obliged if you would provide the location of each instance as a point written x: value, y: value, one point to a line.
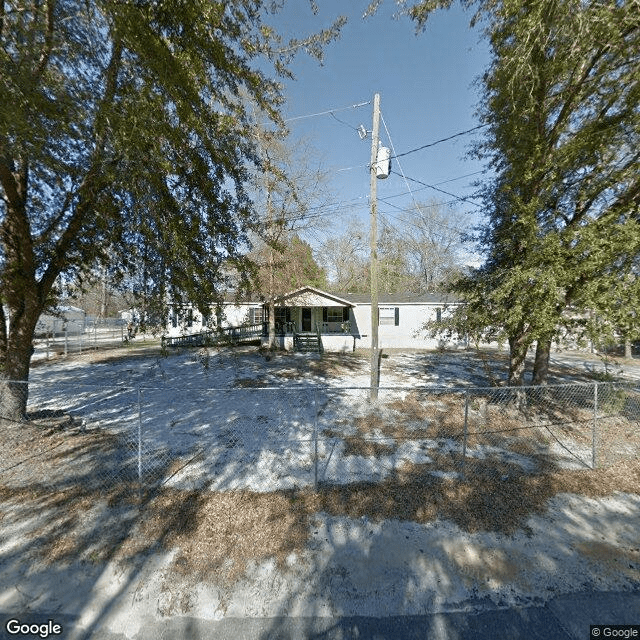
x: 345, y: 314
x: 287, y: 314
x: 324, y: 314
x: 397, y: 316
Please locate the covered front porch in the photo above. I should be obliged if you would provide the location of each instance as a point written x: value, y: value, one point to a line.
x: 311, y: 312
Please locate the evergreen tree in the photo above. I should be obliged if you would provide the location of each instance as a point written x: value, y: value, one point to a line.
x: 126, y: 139
x: 563, y: 137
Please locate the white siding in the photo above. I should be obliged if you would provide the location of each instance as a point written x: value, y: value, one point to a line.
x: 407, y: 334
x: 233, y: 315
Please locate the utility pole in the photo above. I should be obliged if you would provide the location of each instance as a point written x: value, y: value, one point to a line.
x: 373, y: 243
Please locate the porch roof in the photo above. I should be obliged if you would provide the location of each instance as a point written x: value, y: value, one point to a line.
x: 312, y: 297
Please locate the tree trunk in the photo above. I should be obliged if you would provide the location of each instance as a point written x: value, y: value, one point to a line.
x: 518, y: 346
x: 103, y: 294
x: 272, y: 323
x: 21, y: 292
x: 627, y: 348
x: 14, y: 376
x: 541, y: 364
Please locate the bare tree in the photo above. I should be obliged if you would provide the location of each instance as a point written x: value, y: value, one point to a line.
x: 288, y: 191
x: 433, y: 244
x: 345, y: 257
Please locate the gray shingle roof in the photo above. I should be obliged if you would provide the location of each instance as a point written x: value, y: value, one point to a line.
x: 401, y: 298
x: 365, y: 298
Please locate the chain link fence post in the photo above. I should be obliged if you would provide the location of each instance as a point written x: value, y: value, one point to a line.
x: 466, y: 430
x: 594, y: 432
x: 139, y: 445
x: 315, y: 439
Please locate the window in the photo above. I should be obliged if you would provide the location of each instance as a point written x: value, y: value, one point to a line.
x: 335, y: 314
x: 283, y: 314
x: 438, y: 314
x: 389, y: 315
x: 190, y: 318
x: 174, y: 318
x: 256, y: 315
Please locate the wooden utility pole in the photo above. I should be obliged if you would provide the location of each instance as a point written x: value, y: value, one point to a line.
x: 373, y: 242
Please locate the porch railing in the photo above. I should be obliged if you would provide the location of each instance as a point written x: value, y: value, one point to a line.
x: 233, y: 335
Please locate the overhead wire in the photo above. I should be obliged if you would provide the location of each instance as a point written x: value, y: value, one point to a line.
x: 399, y: 165
x: 344, y: 122
x: 415, y: 202
x: 432, y: 144
x: 424, y: 146
x: 328, y: 111
x: 448, y: 193
x: 431, y: 220
x: 404, y: 193
x: 341, y: 206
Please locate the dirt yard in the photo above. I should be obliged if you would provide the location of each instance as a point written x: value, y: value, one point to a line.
x: 64, y: 503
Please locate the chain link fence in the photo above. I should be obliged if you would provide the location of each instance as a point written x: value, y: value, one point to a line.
x: 61, y: 338
x: 266, y: 439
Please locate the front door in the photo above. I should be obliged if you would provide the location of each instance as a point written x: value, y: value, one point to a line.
x: 306, y: 319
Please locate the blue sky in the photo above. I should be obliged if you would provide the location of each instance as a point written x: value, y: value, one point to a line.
x: 425, y: 81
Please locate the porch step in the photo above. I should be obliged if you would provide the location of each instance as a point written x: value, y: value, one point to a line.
x: 307, y: 343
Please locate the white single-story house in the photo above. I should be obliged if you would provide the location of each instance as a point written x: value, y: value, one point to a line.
x: 341, y: 320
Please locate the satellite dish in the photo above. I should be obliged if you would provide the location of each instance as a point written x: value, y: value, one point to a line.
x: 362, y: 132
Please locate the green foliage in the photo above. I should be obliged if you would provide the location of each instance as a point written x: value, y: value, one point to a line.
x: 292, y: 266
x: 127, y: 135
x: 563, y: 137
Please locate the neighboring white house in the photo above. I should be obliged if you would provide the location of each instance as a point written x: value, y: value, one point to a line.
x: 64, y: 319
x: 343, y: 320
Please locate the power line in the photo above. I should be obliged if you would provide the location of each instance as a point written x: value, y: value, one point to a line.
x: 344, y: 122
x: 424, y: 146
x: 430, y: 220
x: 404, y: 193
x: 329, y: 111
x: 448, y: 193
x: 431, y: 205
x: 399, y: 165
x: 466, y: 175
x: 337, y: 207
x: 432, y: 144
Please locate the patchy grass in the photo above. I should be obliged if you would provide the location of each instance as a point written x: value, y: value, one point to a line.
x: 249, y: 383
x: 218, y: 533
x: 357, y: 446
x: 51, y: 494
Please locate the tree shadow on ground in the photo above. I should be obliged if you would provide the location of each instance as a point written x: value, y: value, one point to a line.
x: 71, y: 507
x: 415, y: 545
x: 90, y: 521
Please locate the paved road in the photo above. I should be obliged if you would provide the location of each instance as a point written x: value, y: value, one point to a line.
x: 566, y: 617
